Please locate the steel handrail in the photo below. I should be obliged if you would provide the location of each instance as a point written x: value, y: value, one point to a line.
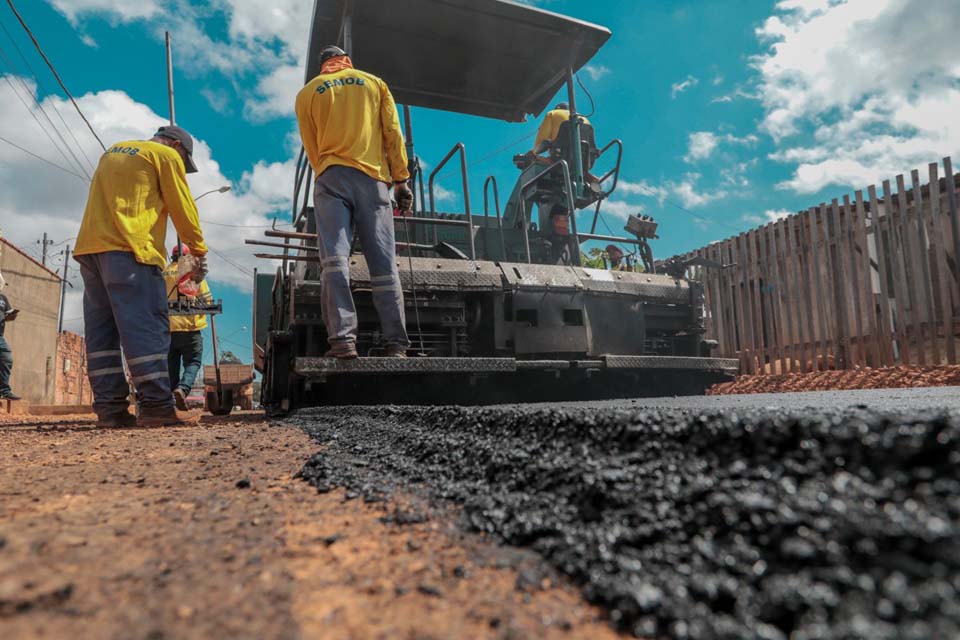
x: 570, y: 202
x: 462, y: 150
x: 486, y: 214
x: 615, y: 171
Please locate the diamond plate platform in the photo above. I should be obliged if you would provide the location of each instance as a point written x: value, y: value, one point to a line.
x: 314, y: 367
x: 727, y: 365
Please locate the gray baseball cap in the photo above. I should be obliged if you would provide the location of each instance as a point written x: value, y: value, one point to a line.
x: 173, y: 132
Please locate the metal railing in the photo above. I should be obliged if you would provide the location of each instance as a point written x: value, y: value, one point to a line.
x: 486, y: 215
x: 615, y: 172
x: 461, y: 149
x: 568, y: 189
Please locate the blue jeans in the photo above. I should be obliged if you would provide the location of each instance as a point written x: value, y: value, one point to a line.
x: 6, y: 366
x: 342, y: 196
x: 188, y: 347
x: 125, y: 307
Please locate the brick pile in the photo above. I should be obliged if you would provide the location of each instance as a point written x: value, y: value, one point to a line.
x: 866, y: 378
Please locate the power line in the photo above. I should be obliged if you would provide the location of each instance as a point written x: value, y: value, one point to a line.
x: 51, y: 163
x: 33, y: 114
x: 231, y: 262
x: 244, y: 226
x: 54, y: 71
x: 43, y: 88
x: 492, y: 154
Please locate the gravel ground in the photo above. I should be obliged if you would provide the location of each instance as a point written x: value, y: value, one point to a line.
x: 204, y: 532
x: 706, y: 518
x: 866, y: 378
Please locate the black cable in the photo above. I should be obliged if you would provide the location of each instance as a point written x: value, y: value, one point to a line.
x: 43, y: 88
x: 56, y: 75
x: 593, y: 106
x: 33, y: 112
x: 51, y: 163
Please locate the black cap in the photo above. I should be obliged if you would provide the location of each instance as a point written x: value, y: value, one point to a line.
x: 330, y: 51
x: 172, y: 132
x: 562, y: 105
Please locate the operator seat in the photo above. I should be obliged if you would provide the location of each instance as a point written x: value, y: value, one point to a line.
x: 588, y: 145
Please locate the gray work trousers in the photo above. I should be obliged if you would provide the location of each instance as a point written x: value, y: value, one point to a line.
x: 343, y: 196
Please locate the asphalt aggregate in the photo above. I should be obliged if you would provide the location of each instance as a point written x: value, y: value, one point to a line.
x: 824, y: 516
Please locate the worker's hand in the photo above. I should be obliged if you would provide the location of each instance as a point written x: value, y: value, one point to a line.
x: 12, y: 315
x: 404, y: 197
x: 201, y: 271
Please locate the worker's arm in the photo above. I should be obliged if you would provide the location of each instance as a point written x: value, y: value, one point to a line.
x: 180, y: 205
x: 308, y: 130
x: 393, y: 136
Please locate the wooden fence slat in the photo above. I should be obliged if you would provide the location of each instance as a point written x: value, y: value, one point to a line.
x: 808, y: 335
x: 912, y: 278
x: 742, y: 260
x: 834, y: 244
x: 822, y: 307
x: 954, y: 222
x: 855, y: 280
x: 796, y: 289
x: 767, y: 297
x: 920, y: 216
x: 895, y: 254
x: 730, y: 306
x: 883, y: 324
x: 758, y: 334
x: 716, y: 307
x: 787, y: 292
x: 742, y: 326
x: 868, y: 299
x: 775, y: 299
x: 943, y: 271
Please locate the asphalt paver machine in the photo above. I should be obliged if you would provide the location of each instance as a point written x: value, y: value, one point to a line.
x: 499, y: 306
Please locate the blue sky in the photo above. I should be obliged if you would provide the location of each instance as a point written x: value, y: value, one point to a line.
x: 732, y: 113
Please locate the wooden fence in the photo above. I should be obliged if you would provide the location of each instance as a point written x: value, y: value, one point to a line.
x: 867, y: 281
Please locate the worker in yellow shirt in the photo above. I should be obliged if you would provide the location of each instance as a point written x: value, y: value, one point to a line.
x: 186, y: 341
x: 550, y: 127
x: 351, y: 133
x: 137, y: 186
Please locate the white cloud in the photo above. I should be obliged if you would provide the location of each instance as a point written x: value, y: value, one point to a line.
x: 702, y: 144
x: 853, y: 73
x: 36, y: 197
x: 770, y: 215
x: 268, y: 43
x: 686, y: 190
x: 123, y: 10
x: 679, y: 87
x: 597, y: 71
x: 620, y: 209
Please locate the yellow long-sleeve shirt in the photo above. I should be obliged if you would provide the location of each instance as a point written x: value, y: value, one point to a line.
x: 185, y: 323
x: 550, y: 127
x: 349, y: 118
x: 136, y: 186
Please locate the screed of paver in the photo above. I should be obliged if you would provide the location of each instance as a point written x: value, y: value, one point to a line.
x: 205, y: 532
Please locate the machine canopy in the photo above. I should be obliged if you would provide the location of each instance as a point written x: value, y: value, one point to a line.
x: 491, y: 58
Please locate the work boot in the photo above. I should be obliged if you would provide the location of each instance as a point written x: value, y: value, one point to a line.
x: 118, y: 420
x: 171, y: 417
x: 180, y: 399
x: 396, y: 351
x: 10, y: 395
x: 343, y: 351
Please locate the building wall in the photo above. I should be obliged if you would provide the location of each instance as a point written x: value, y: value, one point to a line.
x: 34, y: 290
x: 72, y: 386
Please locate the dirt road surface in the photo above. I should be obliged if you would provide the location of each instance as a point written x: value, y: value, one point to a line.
x: 205, y: 532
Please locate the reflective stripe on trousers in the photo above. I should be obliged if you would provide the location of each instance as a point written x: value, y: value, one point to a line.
x: 342, y: 196
x: 125, y: 307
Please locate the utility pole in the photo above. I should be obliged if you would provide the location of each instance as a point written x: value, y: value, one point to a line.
x: 63, y: 286
x: 44, y: 243
x: 173, y: 117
